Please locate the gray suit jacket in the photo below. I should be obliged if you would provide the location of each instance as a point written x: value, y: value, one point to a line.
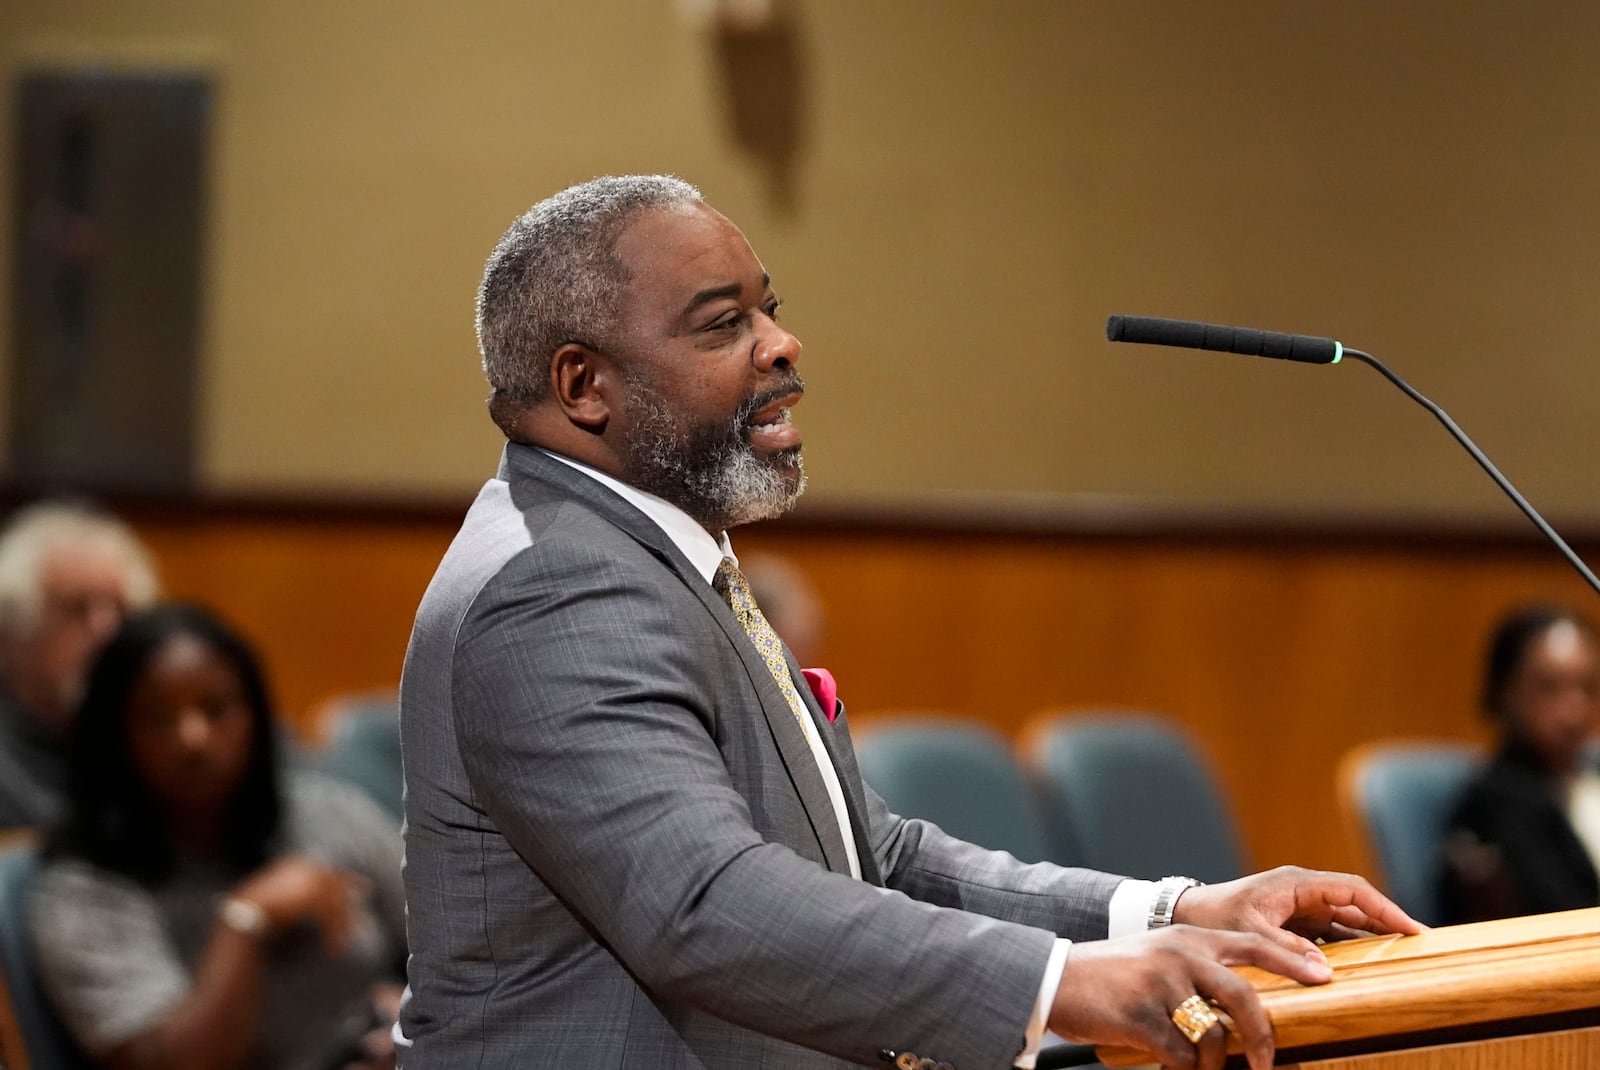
x: 619, y: 850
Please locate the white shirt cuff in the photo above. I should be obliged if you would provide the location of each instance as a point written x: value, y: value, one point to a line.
x: 1129, y: 912
x: 1130, y: 907
x: 1041, y: 1009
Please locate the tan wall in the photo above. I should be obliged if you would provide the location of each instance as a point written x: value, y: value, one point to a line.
x: 978, y: 186
x: 1280, y: 655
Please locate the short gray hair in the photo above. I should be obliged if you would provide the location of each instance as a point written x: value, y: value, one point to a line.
x: 554, y: 278
x: 38, y: 530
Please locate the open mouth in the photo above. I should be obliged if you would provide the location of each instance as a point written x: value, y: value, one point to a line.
x: 769, y: 428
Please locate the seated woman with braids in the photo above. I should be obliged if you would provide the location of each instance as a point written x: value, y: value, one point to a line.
x: 199, y: 908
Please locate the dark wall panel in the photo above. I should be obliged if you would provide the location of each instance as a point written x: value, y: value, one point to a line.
x: 106, y: 301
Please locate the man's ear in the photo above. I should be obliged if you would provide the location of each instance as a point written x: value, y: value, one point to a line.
x: 581, y: 382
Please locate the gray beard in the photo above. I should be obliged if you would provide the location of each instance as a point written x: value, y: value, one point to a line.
x: 710, y: 472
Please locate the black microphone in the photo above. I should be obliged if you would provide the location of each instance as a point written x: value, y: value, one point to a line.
x: 1186, y: 334
x: 1312, y: 349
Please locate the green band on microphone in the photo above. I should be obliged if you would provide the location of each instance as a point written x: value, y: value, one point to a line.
x: 1338, y: 351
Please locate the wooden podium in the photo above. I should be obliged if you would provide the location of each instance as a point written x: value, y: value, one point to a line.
x: 1520, y: 994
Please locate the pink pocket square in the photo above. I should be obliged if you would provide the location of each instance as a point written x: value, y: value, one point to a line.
x: 826, y: 690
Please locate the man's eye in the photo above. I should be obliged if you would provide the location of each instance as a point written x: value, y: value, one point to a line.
x: 723, y: 322
x: 771, y: 308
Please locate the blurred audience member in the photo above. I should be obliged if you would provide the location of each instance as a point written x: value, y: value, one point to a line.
x: 68, y: 573
x: 196, y: 908
x: 1525, y: 837
x: 788, y: 601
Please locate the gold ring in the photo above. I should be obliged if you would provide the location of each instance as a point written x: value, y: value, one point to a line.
x: 1194, y: 1017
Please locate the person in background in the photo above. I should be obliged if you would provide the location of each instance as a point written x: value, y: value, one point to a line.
x: 1525, y: 836
x: 789, y: 601
x: 196, y: 908
x: 68, y: 573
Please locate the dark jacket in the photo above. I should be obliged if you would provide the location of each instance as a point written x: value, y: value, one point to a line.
x: 1511, y: 850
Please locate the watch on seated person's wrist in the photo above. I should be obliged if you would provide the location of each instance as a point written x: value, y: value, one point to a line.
x: 243, y: 916
x: 1165, y: 903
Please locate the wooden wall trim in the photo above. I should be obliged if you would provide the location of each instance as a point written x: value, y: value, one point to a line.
x: 1089, y: 518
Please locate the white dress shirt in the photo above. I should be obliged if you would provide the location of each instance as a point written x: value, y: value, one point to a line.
x: 1583, y: 811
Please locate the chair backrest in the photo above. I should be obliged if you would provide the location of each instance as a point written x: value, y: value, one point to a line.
x: 1131, y: 795
x: 957, y: 774
x: 1396, y: 797
x: 364, y: 749
x: 38, y: 1042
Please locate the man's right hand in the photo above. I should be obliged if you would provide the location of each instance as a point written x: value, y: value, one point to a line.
x: 1124, y: 991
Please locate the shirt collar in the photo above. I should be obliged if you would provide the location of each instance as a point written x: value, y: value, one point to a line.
x: 693, y: 541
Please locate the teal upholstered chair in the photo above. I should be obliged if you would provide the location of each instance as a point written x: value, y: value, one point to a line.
x: 957, y: 774
x: 1396, y: 797
x: 364, y: 748
x: 33, y: 1037
x: 1129, y: 793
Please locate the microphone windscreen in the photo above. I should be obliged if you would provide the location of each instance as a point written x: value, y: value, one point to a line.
x: 1187, y: 334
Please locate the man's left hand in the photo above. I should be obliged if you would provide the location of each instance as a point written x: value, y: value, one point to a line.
x: 1294, y: 906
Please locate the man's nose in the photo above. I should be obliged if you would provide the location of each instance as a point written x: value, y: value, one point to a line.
x: 775, y: 346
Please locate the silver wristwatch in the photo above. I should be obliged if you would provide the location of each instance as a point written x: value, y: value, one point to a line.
x: 1166, y: 901
x: 243, y: 916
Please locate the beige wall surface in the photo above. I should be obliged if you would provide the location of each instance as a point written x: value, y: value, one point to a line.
x: 976, y: 187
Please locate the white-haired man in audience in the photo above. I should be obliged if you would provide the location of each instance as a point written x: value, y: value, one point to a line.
x: 68, y: 573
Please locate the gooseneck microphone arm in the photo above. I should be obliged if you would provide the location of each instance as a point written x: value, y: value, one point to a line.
x: 1483, y: 462
x: 1315, y: 350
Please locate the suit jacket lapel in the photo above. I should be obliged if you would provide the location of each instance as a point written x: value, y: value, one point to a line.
x: 797, y: 755
x: 849, y: 776
x: 792, y: 747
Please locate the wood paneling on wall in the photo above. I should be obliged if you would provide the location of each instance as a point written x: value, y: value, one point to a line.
x: 328, y: 602
x: 1277, y: 652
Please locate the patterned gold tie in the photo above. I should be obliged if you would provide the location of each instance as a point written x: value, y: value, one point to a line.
x: 735, y: 590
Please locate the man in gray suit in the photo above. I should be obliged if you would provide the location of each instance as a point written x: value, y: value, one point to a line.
x: 632, y: 840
